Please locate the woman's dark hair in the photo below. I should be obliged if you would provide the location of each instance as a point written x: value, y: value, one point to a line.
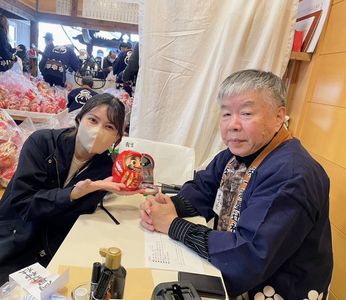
x: 115, y: 111
x: 22, y: 54
x: 4, y: 24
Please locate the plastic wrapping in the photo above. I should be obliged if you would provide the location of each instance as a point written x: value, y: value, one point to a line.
x: 12, y: 291
x: 12, y: 137
x: 11, y: 142
x: 17, y: 92
x: 122, y: 95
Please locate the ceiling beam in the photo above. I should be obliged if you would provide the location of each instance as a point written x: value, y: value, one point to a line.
x: 86, y: 23
x: 16, y: 8
x: 19, y: 9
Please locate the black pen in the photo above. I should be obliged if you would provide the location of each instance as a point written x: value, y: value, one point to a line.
x: 102, y: 285
x: 95, y: 276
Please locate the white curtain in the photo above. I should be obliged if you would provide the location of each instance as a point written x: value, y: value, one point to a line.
x: 187, y: 48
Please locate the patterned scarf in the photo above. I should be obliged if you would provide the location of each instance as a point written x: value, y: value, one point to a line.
x: 230, y: 182
x: 235, y: 179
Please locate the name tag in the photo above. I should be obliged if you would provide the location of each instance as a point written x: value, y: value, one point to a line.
x: 218, y: 202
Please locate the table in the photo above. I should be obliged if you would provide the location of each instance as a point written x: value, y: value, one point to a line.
x: 92, y: 232
x: 37, y: 117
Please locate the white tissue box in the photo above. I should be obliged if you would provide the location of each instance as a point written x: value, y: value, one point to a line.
x: 38, y: 281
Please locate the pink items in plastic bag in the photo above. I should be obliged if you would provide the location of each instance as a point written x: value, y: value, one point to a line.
x: 10, y: 145
x: 19, y: 93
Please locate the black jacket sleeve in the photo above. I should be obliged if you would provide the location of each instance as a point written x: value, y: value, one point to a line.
x: 201, y: 191
x: 116, y: 65
x: 73, y: 61
x: 46, y: 53
x: 42, y: 63
x: 106, y: 64
x: 6, y: 51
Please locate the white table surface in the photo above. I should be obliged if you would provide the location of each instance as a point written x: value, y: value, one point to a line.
x: 95, y: 231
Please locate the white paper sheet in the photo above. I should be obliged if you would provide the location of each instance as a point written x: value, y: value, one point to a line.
x: 161, y: 252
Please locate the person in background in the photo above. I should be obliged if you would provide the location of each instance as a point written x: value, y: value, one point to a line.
x: 7, y: 56
x: 99, y: 59
x: 79, y: 96
x: 61, y: 174
x: 129, y: 75
x: 56, y: 62
x: 121, y: 61
x: 49, y: 41
x: 108, y: 61
x: 131, y: 70
x: 83, y: 55
x: 32, y: 54
x: 272, y: 236
x: 23, y: 55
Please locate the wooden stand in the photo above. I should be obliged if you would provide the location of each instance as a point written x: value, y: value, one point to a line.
x: 37, y: 117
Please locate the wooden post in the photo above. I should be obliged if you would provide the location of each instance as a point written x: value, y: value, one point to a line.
x: 74, y: 8
x: 34, y: 33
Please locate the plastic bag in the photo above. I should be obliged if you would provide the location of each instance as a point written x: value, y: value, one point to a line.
x: 20, y: 93
x: 12, y: 137
x: 11, y: 142
x: 18, y: 66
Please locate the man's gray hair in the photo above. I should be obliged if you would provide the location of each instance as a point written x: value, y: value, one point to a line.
x: 254, y: 80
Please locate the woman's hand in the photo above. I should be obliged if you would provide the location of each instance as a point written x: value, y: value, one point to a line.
x: 108, y: 183
x: 88, y: 186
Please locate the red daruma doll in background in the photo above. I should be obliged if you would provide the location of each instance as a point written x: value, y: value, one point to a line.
x: 127, y: 168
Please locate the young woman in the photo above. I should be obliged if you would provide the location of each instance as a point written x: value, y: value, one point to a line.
x: 61, y: 174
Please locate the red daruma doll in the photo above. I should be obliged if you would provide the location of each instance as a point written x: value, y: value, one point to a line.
x: 127, y: 168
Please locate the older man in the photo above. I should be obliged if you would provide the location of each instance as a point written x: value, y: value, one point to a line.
x: 272, y: 236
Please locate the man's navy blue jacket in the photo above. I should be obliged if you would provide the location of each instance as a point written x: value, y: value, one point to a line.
x: 283, y: 236
x: 78, y: 97
x: 56, y: 62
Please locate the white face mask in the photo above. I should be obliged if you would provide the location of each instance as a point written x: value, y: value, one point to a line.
x: 95, y: 140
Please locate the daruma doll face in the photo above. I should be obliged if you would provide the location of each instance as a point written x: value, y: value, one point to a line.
x: 127, y: 169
